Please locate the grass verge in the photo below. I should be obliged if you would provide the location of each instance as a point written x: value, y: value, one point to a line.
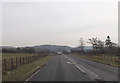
x: 107, y: 62
x: 24, y: 71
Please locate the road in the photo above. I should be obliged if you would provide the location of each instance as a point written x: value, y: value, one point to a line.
x: 70, y: 68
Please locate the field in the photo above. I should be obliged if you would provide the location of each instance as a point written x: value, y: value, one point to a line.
x: 23, y: 71
x: 105, y: 59
x: 15, y: 55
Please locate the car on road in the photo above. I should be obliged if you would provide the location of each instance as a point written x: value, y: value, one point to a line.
x: 59, y: 53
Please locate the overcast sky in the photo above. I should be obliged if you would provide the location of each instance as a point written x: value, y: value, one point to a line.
x: 61, y: 23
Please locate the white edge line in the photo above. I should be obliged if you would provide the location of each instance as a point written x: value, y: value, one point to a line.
x: 32, y: 75
x: 80, y: 69
x: 69, y: 63
x: 95, y: 74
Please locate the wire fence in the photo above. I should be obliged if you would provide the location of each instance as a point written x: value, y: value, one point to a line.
x: 112, y: 58
x: 12, y: 63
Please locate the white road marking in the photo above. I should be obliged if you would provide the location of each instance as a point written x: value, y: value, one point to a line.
x: 35, y: 73
x: 32, y: 75
x: 94, y: 74
x: 80, y: 69
x: 89, y: 73
x: 69, y: 63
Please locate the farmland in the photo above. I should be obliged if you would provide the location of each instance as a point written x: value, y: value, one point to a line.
x: 16, y: 55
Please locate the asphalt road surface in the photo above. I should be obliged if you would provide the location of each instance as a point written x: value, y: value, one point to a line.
x: 70, y: 68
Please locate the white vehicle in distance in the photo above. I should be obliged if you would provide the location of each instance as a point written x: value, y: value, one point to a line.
x: 59, y: 53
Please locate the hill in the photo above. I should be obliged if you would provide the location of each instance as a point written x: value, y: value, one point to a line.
x: 52, y: 48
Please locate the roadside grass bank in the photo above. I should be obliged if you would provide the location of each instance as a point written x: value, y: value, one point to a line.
x: 24, y: 71
x: 104, y: 59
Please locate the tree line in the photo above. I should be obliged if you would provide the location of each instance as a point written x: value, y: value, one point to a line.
x: 19, y: 50
x: 99, y: 47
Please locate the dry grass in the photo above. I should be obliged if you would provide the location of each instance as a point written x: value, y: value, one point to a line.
x: 105, y: 59
x: 16, y: 55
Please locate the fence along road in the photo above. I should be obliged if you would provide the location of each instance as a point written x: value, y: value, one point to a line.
x: 12, y: 63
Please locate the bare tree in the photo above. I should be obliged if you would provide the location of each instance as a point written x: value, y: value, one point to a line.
x: 81, y: 44
x: 100, y: 44
x: 97, y: 44
x: 93, y: 41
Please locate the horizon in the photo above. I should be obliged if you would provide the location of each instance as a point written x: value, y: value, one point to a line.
x: 43, y: 45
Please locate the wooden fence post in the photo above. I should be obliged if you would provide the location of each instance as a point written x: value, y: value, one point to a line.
x: 32, y: 58
x: 16, y: 62
x: 111, y: 57
x: 5, y: 65
x: 29, y: 59
x: 11, y: 63
x: 26, y: 59
x: 23, y: 60
x: 20, y: 60
x: 116, y: 58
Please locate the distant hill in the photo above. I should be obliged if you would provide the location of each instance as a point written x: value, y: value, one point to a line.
x: 85, y: 48
x: 7, y: 47
x: 52, y: 47
x: 88, y: 48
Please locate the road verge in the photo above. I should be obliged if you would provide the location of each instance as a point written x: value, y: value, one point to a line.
x: 98, y: 60
x: 25, y: 71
